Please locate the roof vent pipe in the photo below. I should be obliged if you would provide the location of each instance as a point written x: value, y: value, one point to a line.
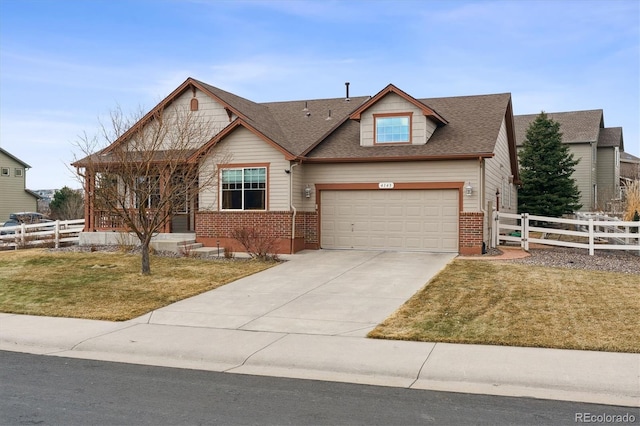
x: 329, y: 117
x: 347, y: 87
x: 305, y: 106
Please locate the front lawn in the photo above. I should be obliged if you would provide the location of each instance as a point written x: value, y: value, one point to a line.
x: 104, y: 285
x: 490, y: 302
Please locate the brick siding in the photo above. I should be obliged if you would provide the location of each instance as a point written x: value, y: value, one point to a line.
x: 471, y: 232
x: 217, y: 227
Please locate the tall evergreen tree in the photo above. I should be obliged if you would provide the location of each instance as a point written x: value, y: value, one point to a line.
x: 546, y: 167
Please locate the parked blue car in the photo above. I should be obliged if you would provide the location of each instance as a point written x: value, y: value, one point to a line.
x: 28, y: 218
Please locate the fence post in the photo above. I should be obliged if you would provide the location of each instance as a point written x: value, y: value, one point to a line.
x: 494, y: 229
x: 23, y: 230
x: 591, y: 238
x: 524, y: 232
x: 57, y: 234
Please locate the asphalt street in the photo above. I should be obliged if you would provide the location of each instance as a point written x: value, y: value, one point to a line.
x: 39, y: 389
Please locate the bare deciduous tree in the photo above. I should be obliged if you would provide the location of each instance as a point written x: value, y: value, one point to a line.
x: 143, y: 169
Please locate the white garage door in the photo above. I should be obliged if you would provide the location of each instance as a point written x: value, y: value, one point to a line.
x: 424, y: 220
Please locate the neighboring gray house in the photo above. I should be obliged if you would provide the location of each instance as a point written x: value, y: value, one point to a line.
x: 14, y: 197
x: 610, y: 145
x: 597, y: 147
x: 390, y: 172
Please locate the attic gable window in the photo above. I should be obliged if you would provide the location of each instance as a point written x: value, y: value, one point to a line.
x: 392, y: 128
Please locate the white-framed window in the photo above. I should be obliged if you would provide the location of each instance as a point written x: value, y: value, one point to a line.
x: 392, y: 128
x: 18, y: 172
x: 243, y: 188
x: 4, y: 171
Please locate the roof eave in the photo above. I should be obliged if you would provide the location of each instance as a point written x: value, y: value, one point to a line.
x: 402, y: 158
x: 13, y: 157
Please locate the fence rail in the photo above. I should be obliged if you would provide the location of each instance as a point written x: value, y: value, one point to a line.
x: 54, y: 233
x: 586, y: 233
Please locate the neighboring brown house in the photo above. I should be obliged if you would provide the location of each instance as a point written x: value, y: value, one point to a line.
x: 14, y: 197
x: 387, y: 172
x: 597, y: 147
x: 629, y: 168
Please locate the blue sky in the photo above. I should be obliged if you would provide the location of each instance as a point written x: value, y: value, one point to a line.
x: 64, y: 64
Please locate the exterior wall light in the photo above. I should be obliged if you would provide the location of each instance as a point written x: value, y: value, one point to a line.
x: 468, y: 190
x: 307, y: 192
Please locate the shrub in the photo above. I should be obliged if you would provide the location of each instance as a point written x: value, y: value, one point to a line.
x: 256, y: 244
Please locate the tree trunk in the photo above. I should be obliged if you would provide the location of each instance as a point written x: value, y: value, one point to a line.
x: 146, y: 266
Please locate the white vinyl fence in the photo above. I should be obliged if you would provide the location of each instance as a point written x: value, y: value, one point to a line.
x: 53, y: 233
x: 585, y: 233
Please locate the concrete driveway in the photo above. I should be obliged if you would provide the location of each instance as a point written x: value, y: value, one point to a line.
x: 315, y: 292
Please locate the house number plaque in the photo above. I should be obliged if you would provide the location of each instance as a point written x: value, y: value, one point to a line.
x: 385, y: 185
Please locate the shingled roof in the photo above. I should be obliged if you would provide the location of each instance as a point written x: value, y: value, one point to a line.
x: 292, y: 125
x: 575, y: 126
x: 322, y: 129
x: 472, y: 130
x: 304, y: 123
x: 611, y: 137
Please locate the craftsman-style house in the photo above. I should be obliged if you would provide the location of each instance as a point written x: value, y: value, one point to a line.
x: 389, y: 171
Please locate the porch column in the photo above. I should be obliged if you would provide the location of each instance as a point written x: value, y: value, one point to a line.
x: 89, y: 196
x: 164, y: 179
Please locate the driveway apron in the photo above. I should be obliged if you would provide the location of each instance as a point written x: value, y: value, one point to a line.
x: 327, y: 292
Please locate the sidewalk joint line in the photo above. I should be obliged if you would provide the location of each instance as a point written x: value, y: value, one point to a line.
x: 423, y: 365
x: 73, y: 348
x: 229, y: 370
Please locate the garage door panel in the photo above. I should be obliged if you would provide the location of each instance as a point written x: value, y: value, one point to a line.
x: 413, y: 211
x: 390, y: 219
x: 450, y: 227
x: 450, y: 196
x: 413, y: 227
x: 394, y: 211
x: 378, y: 211
x: 361, y: 211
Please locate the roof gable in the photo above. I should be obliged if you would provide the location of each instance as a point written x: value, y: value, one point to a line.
x: 426, y: 110
x: 232, y: 103
x: 237, y: 123
x: 611, y: 137
x: 14, y: 158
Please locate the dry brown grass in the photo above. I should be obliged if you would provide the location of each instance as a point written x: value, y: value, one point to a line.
x: 632, y: 200
x: 488, y: 302
x: 106, y: 286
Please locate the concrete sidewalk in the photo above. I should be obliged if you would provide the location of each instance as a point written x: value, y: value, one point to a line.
x: 307, y: 318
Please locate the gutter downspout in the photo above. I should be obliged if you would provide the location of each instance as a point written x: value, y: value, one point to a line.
x: 295, y: 211
x: 481, y: 198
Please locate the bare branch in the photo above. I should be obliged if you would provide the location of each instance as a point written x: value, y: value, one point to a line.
x: 143, y: 173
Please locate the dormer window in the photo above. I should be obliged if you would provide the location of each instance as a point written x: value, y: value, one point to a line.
x: 392, y: 128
